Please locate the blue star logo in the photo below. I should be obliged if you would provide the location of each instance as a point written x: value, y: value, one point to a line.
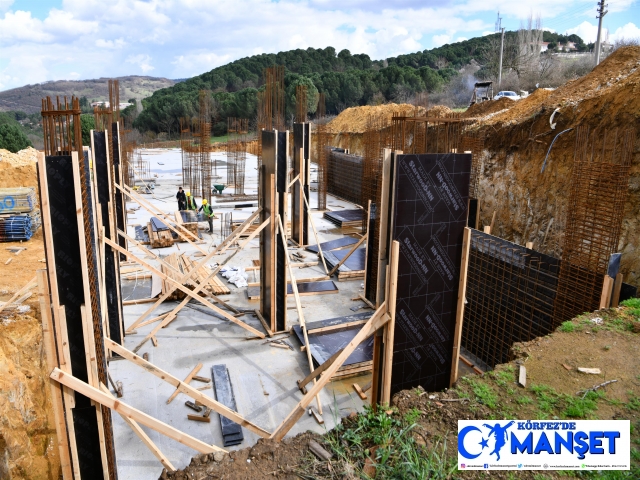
x: 484, y: 443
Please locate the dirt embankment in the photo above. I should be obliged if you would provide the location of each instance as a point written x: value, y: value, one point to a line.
x: 518, y: 139
x: 28, y: 444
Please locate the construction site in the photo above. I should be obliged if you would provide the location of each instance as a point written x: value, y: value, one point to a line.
x: 380, y: 263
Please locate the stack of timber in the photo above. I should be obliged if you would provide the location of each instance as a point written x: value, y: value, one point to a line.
x: 159, y: 234
x: 347, y: 220
x: 189, y: 221
x: 326, y: 337
x: 175, y: 266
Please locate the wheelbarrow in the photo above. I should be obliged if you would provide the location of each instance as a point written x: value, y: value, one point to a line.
x: 217, y: 187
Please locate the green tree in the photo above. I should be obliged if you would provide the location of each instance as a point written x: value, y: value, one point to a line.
x: 87, y: 124
x: 12, y: 138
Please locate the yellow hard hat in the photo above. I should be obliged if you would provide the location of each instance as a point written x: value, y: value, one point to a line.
x: 188, y: 194
x: 204, y: 201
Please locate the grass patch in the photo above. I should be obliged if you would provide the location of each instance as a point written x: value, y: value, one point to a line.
x: 524, y: 400
x: 568, y: 327
x: 546, y: 396
x: 483, y: 392
x: 396, y: 453
x: 578, y: 407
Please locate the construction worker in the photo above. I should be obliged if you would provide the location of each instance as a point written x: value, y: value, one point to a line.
x: 191, y: 202
x: 208, y: 213
x: 182, y: 199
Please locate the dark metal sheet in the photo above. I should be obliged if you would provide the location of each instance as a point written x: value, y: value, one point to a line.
x: 231, y: 431
x: 332, y: 244
x: 344, y: 216
x: 326, y: 344
x: 158, y: 225
x: 355, y: 261
x: 430, y: 200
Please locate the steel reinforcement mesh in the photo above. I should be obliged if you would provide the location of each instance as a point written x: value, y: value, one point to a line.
x: 597, y: 194
x: 510, y: 297
x: 344, y: 176
x: 473, y: 144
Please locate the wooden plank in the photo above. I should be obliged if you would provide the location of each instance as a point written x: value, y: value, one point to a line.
x: 340, y: 326
x: 522, y: 376
x: 462, y: 293
x: 189, y: 377
x: 144, y: 437
x: 185, y: 388
x: 318, y: 371
x: 124, y: 409
x: 315, y: 232
x: 392, y: 282
x: 30, y: 284
x: 615, y: 299
x: 361, y: 394
x: 301, y: 319
x: 264, y: 322
x: 52, y: 362
x: 198, y: 418
x: 605, y: 296
x: 138, y: 301
x: 379, y: 318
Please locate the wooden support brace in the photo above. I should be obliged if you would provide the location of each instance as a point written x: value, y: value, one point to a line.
x: 379, y: 318
x: 462, y: 293
x: 123, y: 409
x: 184, y: 388
x: 144, y: 437
x: 200, y: 264
x: 184, y: 289
x: 318, y: 371
x: 313, y: 226
x: 344, y: 259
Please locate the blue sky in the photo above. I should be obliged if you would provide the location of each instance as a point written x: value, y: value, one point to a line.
x: 44, y: 40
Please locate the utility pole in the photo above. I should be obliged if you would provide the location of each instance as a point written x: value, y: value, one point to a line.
x: 500, y: 68
x: 500, y: 28
x: 601, y: 13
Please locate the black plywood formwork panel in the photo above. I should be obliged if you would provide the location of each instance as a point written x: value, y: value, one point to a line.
x: 333, y: 244
x: 429, y: 214
x: 323, y: 345
x: 231, y: 431
x: 273, y: 297
x: 103, y: 172
x: 69, y: 278
x: 299, y: 219
x: 121, y: 205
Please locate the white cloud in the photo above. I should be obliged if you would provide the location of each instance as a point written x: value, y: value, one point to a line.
x: 143, y: 62
x: 182, y: 38
x: 439, y: 40
x: 626, y: 32
x: 586, y: 30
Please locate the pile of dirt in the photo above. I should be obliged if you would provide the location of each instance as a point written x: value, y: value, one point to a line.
x: 18, y: 169
x: 482, y: 109
x: 531, y: 205
x: 355, y: 119
x: 438, y: 111
x: 28, y: 444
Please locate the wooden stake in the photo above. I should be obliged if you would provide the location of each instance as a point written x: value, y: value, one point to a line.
x: 462, y: 292
x: 615, y: 300
x: 392, y: 282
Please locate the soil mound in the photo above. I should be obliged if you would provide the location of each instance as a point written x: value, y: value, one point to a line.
x: 18, y: 169
x: 485, y: 108
x: 438, y: 111
x: 28, y: 445
x: 354, y: 119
